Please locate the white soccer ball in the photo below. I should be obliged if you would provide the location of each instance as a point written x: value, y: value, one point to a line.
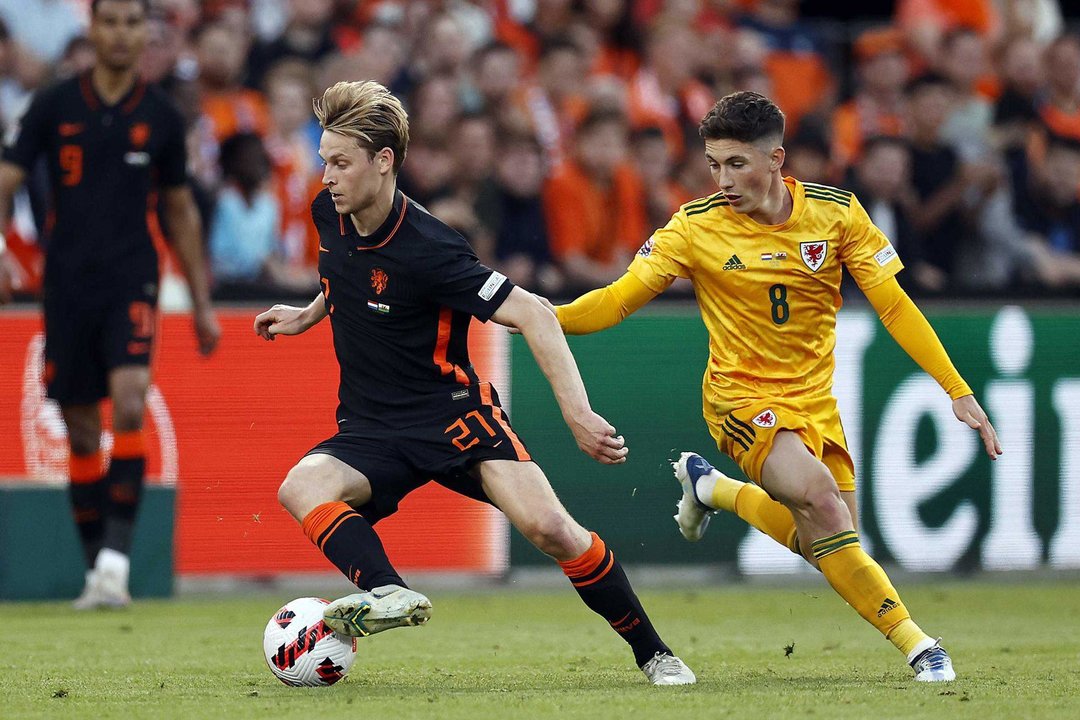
x: 302, y: 650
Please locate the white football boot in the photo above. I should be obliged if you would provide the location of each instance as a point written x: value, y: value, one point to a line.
x: 383, y: 608
x: 693, y: 516
x: 933, y: 665
x: 667, y: 669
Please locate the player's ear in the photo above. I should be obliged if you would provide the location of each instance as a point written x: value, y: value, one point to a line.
x: 776, y: 158
x: 385, y: 160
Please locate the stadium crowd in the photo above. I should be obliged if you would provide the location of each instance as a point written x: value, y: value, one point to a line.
x: 557, y: 134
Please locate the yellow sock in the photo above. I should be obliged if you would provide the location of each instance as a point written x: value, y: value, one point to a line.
x: 754, y: 505
x: 865, y: 586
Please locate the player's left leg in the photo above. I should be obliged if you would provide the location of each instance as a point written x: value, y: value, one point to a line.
x: 802, y: 482
x: 524, y: 495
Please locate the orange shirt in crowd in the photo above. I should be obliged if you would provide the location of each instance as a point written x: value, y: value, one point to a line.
x: 853, y: 122
x: 597, y: 222
x: 236, y: 111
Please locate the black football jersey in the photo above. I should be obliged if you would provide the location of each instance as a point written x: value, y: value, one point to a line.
x: 400, y: 303
x: 104, y: 162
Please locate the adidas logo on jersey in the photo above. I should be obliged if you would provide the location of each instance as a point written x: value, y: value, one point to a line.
x: 734, y: 263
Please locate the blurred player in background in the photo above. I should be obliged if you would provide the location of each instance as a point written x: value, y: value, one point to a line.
x: 765, y: 255
x: 401, y: 289
x: 110, y: 143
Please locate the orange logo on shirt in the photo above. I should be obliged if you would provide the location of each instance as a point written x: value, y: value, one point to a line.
x: 378, y: 280
x: 139, y: 134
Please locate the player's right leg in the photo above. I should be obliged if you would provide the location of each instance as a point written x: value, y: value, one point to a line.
x: 522, y: 492
x: 798, y: 479
x: 321, y: 491
x: 87, y: 492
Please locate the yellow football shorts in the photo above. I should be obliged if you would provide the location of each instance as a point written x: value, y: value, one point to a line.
x: 746, y: 430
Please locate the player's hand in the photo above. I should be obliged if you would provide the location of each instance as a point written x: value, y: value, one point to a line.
x: 968, y: 411
x: 207, y: 330
x: 280, y: 320
x: 596, y: 438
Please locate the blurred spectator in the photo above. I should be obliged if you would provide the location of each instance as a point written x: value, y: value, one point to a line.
x: 882, y: 182
x: 656, y: 166
x: 665, y: 92
x: 807, y: 157
x: 513, y: 207
x: 428, y: 176
x: 1049, y: 207
x: 306, y: 37
x: 964, y: 63
x: 594, y: 205
x: 939, y: 183
x: 926, y: 22
x: 435, y: 105
x: 798, y: 71
x: 1022, y: 80
x: 244, y: 251
x: 227, y: 107
x: 877, y: 107
x: 14, y: 96
x: 553, y: 103
x: 496, y: 73
x: 473, y: 158
x: 611, y: 22
x: 294, y: 158
x: 1060, y: 108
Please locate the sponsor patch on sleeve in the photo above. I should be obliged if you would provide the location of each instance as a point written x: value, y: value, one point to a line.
x: 884, y: 257
x: 646, y: 249
x: 494, y: 282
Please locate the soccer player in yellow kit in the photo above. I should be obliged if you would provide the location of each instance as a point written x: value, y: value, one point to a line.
x: 765, y: 255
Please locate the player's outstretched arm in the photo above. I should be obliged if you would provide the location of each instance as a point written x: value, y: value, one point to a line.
x: 594, y: 435
x: 914, y: 334
x: 604, y: 307
x: 289, y: 320
x: 182, y: 219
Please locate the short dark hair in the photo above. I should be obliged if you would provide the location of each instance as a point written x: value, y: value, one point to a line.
x: 744, y: 116
x: 145, y: 5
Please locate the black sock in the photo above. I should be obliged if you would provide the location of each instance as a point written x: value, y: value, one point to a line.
x: 88, y: 506
x: 603, y: 586
x: 125, y: 482
x: 349, y: 541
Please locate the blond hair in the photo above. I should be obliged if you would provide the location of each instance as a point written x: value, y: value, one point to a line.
x: 366, y: 111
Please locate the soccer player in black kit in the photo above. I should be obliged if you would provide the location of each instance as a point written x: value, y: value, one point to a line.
x: 401, y: 288
x: 110, y: 144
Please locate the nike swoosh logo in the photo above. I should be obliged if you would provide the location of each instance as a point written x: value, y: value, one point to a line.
x: 497, y: 444
x: 339, y: 422
x: 322, y: 249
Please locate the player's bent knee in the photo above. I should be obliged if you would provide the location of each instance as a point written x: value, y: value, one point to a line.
x: 553, y: 533
x: 300, y: 492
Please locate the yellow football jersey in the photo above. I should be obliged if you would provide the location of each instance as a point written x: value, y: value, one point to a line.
x: 768, y: 293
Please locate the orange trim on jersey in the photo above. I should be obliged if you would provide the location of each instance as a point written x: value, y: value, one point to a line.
x: 341, y: 223
x: 135, y: 98
x: 500, y: 417
x: 128, y: 445
x: 401, y: 218
x: 442, y: 341
x: 587, y: 563
x: 320, y: 523
x: 85, y: 468
x: 89, y: 96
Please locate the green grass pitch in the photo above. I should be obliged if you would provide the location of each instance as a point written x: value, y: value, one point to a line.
x: 511, y: 654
